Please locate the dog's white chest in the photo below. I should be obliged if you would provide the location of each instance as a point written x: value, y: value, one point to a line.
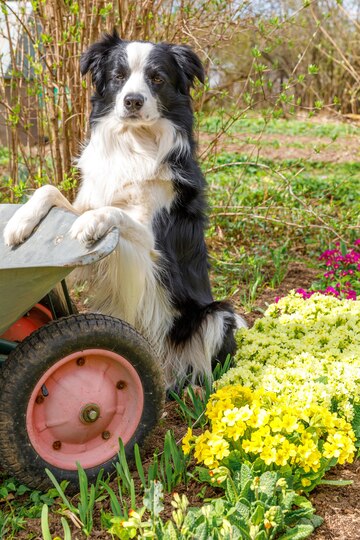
x: 126, y: 169
x: 142, y: 200
x: 110, y: 186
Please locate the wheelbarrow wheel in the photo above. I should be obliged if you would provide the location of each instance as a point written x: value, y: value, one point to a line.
x: 70, y: 391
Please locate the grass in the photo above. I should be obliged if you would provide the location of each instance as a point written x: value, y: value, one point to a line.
x: 255, y: 124
x: 18, y: 504
x: 268, y: 212
x: 293, y: 208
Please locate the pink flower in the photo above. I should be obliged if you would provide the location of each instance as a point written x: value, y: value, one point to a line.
x: 331, y: 290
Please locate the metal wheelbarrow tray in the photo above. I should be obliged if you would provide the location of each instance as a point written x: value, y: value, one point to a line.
x: 70, y: 389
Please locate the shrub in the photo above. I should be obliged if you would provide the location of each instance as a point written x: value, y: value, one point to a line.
x: 301, y: 442
x: 342, y: 275
x: 305, y: 350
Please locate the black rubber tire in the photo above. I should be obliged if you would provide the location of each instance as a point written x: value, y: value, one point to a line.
x: 35, y: 355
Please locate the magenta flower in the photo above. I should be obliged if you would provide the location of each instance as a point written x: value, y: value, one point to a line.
x: 342, y: 276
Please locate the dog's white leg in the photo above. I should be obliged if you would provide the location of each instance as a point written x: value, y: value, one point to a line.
x: 124, y: 284
x: 24, y: 221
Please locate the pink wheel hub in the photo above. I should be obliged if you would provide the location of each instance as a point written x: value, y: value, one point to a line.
x: 81, y: 406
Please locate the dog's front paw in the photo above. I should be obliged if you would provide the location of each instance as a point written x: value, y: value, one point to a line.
x: 20, y: 226
x: 91, y: 226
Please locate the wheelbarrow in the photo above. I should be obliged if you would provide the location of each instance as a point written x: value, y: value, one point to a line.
x: 70, y: 387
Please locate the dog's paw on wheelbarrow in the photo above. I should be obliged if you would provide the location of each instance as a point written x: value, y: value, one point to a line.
x: 91, y: 226
x: 20, y: 226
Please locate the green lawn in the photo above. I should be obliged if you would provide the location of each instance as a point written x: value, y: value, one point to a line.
x: 265, y: 212
x: 257, y: 124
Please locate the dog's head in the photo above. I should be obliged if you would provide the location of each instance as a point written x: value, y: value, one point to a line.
x: 140, y: 82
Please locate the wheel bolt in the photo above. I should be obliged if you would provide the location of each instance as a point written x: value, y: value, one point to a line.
x: 80, y: 361
x: 39, y: 399
x: 92, y: 415
x: 56, y: 445
x: 105, y: 435
x: 120, y: 385
x: 89, y: 413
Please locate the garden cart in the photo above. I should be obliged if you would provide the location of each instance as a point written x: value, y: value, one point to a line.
x: 70, y: 386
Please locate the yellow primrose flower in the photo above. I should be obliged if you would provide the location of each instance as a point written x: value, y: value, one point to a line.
x: 285, y: 452
x: 305, y: 482
x: 236, y: 431
x: 256, y: 444
x: 230, y: 416
x: 268, y: 454
x: 276, y: 424
x: 308, y: 457
x: 339, y: 446
x: 289, y: 423
x: 187, y: 442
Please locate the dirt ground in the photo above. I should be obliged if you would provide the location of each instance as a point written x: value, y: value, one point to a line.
x: 282, y: 147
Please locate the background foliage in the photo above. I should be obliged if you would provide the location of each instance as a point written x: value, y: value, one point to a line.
x: 280, y: 57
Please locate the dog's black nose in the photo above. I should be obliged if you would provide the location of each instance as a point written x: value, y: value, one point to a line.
x: 133, y: 102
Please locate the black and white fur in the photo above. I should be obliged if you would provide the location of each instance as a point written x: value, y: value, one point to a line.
x: 139, y: 173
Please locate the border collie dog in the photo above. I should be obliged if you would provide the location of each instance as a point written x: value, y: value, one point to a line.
x: 139, y: 173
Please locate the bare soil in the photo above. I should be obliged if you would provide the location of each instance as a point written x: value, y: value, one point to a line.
x: 282, y: 147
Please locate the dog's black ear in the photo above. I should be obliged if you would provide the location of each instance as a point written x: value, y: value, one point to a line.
x: 94, y: 58
x: 189, y: 63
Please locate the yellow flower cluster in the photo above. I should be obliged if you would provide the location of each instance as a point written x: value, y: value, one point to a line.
x: 307, y: 350
x: 260, y: 424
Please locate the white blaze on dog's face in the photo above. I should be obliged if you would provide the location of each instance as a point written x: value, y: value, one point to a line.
x: 138, y: 83
x: 135, y: 103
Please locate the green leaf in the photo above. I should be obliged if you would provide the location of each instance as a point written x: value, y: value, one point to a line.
x: 335, y: 482
x: 257, y: 516
x: 234, y: 461
x: 170, y: 531
x: 45, y: 523
x: 261, y: 535
x: 288, y: 499
x: 356, y: 420
x: 61, y: 492
x: 231, y: 493
x: 298, y: 532
x: 153, y: 498
x: 295, y: 515
x: 203, y: 474
x: 302, y: 502
x: 114, y: 503
x: 245, y: 476
x: 246, y: 492
x: 67, y: 531
x: 202, y: 531
x: 267, y: 483
x: 139, y: 465
x: 316, y: 521
x: 243, y: 509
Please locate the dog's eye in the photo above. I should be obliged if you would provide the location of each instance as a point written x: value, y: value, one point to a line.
x: 156, y: 79
x: 120, y: 76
